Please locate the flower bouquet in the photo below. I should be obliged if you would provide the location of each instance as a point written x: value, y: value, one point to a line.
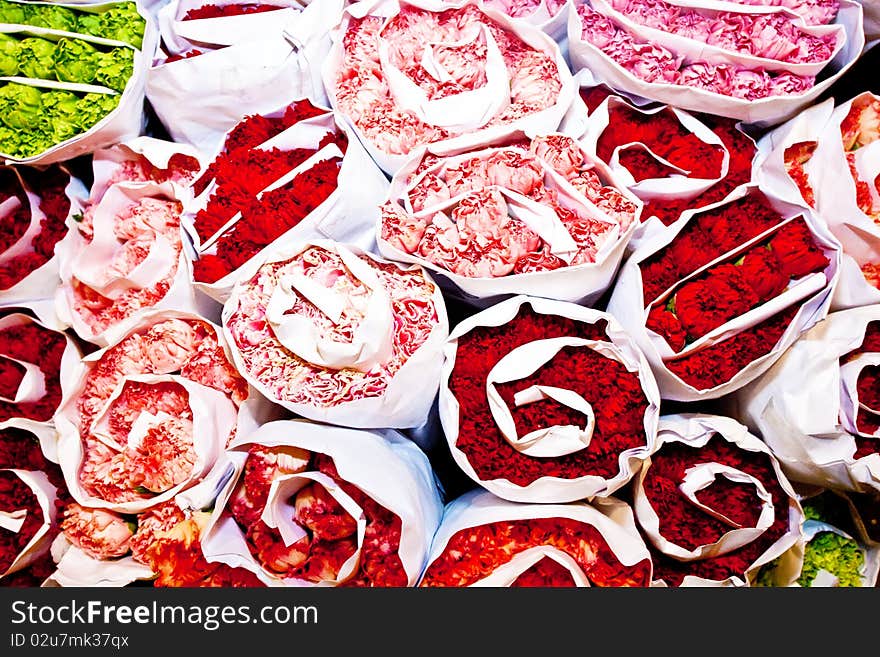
x: 760, y: 64
x: 534, y: 216
x: 408, y: 74
x: 818, y: 407
x: 829, y: 159
x: 714, y: 299
x: 485, y: 541
x: 72, y: 77
x: 338, y: 335
x: 549, y: 16
x: 715, y: 507
x: 545, y: 401
x: 303, y: 178
x: 320, y: 505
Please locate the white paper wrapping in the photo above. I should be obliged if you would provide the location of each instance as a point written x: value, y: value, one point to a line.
x: 544, y: 121
x: 250, y: 76
x: 385, y: 466
x: 410, y: 392
x: 627, y: 304
x: 764, y: 111
x: 695, y: 430
x: 612, y: 518
x: 553, y: 441
x: 797, y: 406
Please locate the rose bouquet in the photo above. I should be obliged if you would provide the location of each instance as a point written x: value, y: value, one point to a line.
x: 714, y: 299
x: 320, y: 505
x: 672, y: 160
x: 755, y: 64
x: 531, y: 216
x: 338, y: 335
x: 231, y: 66
x: 410, y: 74
x: 715, y: 507
x: 485, y: 541
x: 34, y: 207
x: 545, y: 401
x: 32, y: 493
x: 74, y: 78
x: 34, y: 363
x: 829, y: 159
x: 290, y: 175
x: 122, y: 257
x: 818, y: 407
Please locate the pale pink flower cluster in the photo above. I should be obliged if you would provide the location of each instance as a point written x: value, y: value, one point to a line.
x: 524, y: 8
x: 473, y: 234
x: 654, y: 63
x: 164, y: 456
x: 291, y: 379
x: 771, y: 36
x: 362, y: 90
x: 136, y: 229
x: 814, y: 12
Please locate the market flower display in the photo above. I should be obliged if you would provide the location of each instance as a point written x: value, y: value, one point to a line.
x: 407, y: 75
x: 714, y: 299
x: 714, y: 506
x: 672, y: 160
x: 335, y: 334
x: 315, y: 504
x: 835, y: 443
x: 149, y: 416
x: 545, y: 401
x: 510, y: 211
x: 486, y: 541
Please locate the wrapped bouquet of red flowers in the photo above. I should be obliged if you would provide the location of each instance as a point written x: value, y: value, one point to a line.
x: 34, y: 209
x: 714, y: 299
x: 532, y: 216
x: 123, y: 257
x: 339, y: 335
x: 819, y: 407
x: 714, y: 506
x: 673, y: 160
x: 320, y: 505
x: 457, y: 75
x: 228, y: 63
x: 27, y: 517
x: 758, y: 64
x: 289, y: 175
x: 35, y: 362
x: 545, y: 401
x: 828, y: 159
x: 486, y: 541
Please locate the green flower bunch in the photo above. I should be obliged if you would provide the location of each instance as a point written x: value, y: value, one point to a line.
x: 840, y: 556
x: 121, y: 22
x: 32, y: 120
x: 68, y: 60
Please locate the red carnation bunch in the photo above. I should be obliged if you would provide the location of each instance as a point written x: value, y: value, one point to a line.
x: 53, y: 204
x: 868, y: 385
x: 221, y: 11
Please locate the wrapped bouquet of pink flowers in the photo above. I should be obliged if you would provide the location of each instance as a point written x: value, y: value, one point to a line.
x: 548, y: 15
x: 144, y: 425
x: 338, y: 335
x: 828, y: 159
x: 319, y: 505
x: 533, y: 216
x: 409, y: 74
x: 755, y: 61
